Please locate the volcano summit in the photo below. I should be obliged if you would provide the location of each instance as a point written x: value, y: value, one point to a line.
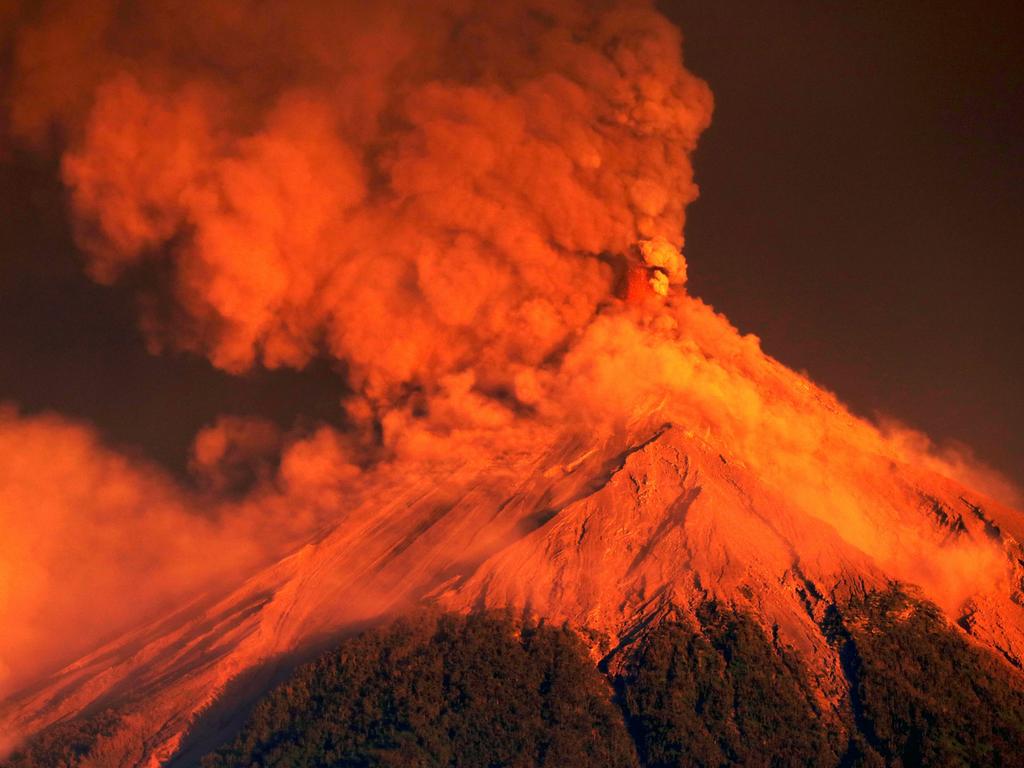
x: 545, y: 448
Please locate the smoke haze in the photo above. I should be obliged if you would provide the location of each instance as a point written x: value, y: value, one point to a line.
x: 398, y: 187
x: 475, y: 210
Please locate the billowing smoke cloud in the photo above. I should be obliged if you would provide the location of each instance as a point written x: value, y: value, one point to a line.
x: 413, y: 188
x: 94, y: 540
x: 437, y: 195
x: 82, y: 524
x: 475, y: 208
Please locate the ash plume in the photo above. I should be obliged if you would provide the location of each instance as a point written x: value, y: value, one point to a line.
x: 475, y: 209
x: 407, y: 187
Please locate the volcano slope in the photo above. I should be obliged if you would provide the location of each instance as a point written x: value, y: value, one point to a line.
x: 711, y: 479
x: 474, y: 211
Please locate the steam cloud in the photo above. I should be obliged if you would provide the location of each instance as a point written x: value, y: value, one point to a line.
x: 449, y: 199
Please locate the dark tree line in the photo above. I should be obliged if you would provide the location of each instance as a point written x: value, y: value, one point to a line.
x: 487, y: 690
x: 922, y: 694
x: 447, y: 691
x: 722, y: 695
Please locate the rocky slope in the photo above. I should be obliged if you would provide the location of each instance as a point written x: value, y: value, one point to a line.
x: 606, y: 536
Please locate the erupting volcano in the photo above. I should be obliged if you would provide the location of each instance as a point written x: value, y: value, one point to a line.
x: 475, y: 212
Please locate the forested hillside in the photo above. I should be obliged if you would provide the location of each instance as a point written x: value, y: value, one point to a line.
x: 488, y: 690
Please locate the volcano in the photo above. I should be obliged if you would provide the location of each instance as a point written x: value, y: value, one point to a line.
x: 471, y: 213
x: 608, y: 533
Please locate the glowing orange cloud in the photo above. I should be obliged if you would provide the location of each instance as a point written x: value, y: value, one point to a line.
x: 482, y: 229
x: 94, y: 540
x: 399, y: 186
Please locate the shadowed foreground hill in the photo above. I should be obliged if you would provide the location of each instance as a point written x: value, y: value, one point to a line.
x: 488, y: 690
x: 484, y: 690
x: 456, y: 691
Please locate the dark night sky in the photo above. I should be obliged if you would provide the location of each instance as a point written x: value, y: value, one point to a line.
x: 863, y: 183
x: 862, y: 203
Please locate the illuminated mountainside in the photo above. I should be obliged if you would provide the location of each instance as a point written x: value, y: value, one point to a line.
x: 473, y: 212
x: 608, y: 530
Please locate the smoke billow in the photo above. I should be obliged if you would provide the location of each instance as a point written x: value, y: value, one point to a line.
x: 436, y: 195
x: 93, y: 540
x: 475, y: 208
x: 412, y: 188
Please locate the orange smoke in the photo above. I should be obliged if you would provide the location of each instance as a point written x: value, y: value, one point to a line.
x: 94, y: 541
x: 90, y: 540
x: 399, y: 185
x: 234, y: 453
x: 405, y: 187
x: 441, y: 197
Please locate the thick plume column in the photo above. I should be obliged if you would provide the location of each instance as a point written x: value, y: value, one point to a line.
x: 437, y: 195
x: 414, y: 188
x: 475, y: 210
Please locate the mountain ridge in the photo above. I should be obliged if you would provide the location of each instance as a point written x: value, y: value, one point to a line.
x: 654, y: 530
